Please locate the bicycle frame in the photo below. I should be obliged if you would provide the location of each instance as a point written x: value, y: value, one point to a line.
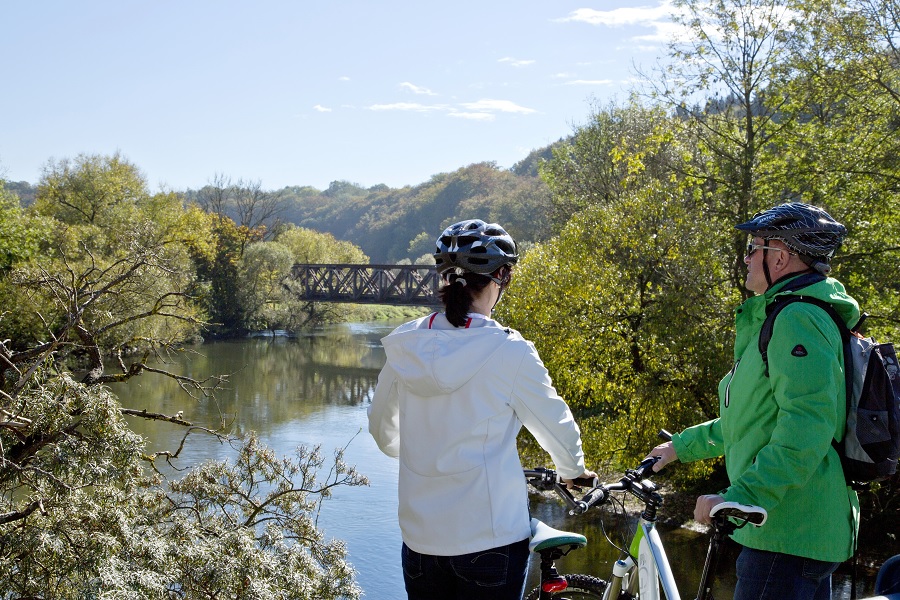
x: 653, y: 565
x: 651, y: 570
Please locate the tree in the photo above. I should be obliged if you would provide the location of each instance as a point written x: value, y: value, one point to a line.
x: 263, y: 268
x: 89, y: 189
x: 765, y: 101
x: 311, y: 247
x: 246, y: 202
x: 218, y: 274
x: 845, y: 79
x: 80, y: 515
x: 604, y: 156
x: 626, y: 309
x: 83, y: 510
x: 718, y: 81
x: 119, y: 274
x: 422, y: 244
x: 21, y: 235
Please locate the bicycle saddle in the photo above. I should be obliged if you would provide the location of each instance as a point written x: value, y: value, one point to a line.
x: 544, y: 537
x: 756, y: 515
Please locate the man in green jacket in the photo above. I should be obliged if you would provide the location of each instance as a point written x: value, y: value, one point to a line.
x: 775, y: 431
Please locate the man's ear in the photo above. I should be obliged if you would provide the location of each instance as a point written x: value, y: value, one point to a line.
x: 782, y: 261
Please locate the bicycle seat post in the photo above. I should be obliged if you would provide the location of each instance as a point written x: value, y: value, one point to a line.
x: 551, y: 580
x: 721, y: 528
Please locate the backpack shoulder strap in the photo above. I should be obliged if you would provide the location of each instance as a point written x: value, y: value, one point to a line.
x: 765, y: 334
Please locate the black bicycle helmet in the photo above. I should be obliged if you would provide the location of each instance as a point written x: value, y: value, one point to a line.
x: 476, y: 246
x: 807, y: 230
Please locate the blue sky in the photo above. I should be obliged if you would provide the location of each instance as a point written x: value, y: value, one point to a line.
x: 303, y: 93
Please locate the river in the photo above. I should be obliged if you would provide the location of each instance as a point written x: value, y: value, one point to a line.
x: 314, y: 390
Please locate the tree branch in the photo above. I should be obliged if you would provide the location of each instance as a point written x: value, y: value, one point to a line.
x: 18, y: 515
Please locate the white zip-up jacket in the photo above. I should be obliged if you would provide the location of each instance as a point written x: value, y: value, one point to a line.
x: 449, y: 404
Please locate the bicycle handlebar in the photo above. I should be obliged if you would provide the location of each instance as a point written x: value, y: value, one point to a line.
x: 636, y: 482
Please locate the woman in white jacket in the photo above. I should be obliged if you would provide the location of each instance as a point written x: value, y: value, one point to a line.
x: 454, y: 393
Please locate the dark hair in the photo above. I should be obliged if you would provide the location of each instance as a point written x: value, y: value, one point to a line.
x: 458, y: 292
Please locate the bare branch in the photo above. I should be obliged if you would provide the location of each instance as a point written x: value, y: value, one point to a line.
x: 168, y: 455
x: 188, y: 384
x: 18, y: 515
x: 145, y: 414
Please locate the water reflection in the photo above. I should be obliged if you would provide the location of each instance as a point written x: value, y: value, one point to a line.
x: 272, y: 381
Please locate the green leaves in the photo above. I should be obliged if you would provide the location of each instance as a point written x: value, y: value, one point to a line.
x: 621, y: 306
x: 21, y: 234
x: 91, y: 189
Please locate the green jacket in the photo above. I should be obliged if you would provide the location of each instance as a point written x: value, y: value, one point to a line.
x: 776, y: 431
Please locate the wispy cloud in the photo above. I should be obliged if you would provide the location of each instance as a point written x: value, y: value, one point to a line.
x: 658, y: 18
x: 481, y: 110
x: 473, y: 116
x: 589, y: 82
x: 516, y: 62
x: 415, y: 89
x: 321, y: 108
x: 665, y: 31
x: 497, y: 106
x: 619, y: 17
x: 343, y: 78
x: 410, y: 107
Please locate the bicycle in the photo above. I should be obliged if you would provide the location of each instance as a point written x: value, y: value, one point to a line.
x: 643, y: 567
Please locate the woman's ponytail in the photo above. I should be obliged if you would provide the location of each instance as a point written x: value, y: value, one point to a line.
x: 458, y: 292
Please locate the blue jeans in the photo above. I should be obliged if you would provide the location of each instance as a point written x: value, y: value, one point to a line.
x: 495, y: 574
x: 765, y: 575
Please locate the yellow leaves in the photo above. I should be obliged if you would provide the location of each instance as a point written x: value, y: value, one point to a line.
x: 313, y: 247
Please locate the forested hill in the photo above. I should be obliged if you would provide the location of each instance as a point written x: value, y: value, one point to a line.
x: 393, y: 224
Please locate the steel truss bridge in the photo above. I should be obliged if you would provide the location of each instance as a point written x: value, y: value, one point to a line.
x: 408, y: 285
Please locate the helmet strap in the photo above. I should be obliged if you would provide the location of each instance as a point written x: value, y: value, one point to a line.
x: 501, y: 276
x: 505, y: 274
x: 765, y: 265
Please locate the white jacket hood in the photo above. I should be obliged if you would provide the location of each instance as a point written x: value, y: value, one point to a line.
x: 435, y: 362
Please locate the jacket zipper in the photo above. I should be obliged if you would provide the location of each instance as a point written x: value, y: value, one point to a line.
x: 730, y: 379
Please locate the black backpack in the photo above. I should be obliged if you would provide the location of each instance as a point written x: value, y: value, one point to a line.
x: 871, y: 443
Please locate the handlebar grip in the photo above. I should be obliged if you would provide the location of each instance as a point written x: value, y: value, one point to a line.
x: 665, y: 435
x: 598, y: 495
x: 645, y: 469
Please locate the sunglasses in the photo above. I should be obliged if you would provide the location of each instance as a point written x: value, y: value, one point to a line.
x: 751, y: 248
